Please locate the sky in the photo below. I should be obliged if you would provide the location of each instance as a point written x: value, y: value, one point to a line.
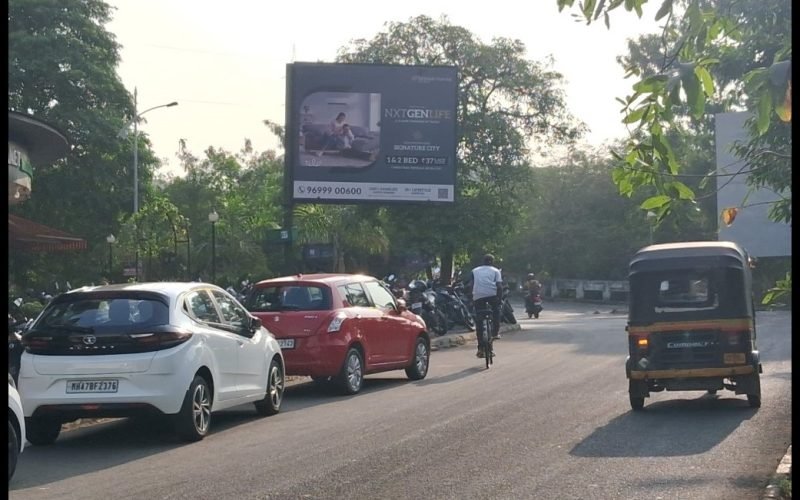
x: 225, y: 62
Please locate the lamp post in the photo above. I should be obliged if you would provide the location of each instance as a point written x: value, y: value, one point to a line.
x: 184, y: 225
x: 111, y: 240
x: 651, y: 216
x: 124, y: 133
x: 213, y: 217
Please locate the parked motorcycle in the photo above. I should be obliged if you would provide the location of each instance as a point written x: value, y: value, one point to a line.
x: 394, y: 287
x: 247, y: 287
x: 533, y: 304
x: 506, y: 311
x: 456, y: 311
x: 17, y: 324
x: 422, y: 302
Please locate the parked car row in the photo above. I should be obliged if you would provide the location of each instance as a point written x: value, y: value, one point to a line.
x: 183, y: 351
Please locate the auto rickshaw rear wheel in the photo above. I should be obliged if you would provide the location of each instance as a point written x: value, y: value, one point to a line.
x: 637, y: 390
x: 753, y: 387
x: 637, y: 402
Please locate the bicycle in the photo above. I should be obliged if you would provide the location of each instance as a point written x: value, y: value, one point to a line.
x: 485, y: 317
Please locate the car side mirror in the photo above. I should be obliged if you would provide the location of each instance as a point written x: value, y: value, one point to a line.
x: 401, y: 305
x: 255, y: 323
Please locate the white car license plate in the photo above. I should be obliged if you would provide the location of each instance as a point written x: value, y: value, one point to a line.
x: 92, y: 386
x: 286, y: 343
x: 416, y: 305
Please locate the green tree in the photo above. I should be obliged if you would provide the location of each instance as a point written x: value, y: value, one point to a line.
x: 508, y: 107
x: 750, y: 44
x: 738, y: 51
x: 62, y: 69
x: 154, y: 232
x: 573, y: 209
x: 347, y: 228
x: 245, y: 190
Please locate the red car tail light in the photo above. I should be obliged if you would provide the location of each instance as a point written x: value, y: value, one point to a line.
x: 336, y: 322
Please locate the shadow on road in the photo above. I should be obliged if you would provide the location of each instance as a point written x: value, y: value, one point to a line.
x: 100, y: 446
x: 466, y: 372
x: 678, y: 427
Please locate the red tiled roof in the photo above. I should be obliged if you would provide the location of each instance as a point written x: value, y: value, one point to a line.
x: 35, y: 237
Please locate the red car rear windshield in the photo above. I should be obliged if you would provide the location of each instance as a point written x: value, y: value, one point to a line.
x: 294, y: 297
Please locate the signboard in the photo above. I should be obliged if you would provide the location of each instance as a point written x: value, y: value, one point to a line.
x: 20, y: 173
x: 130, y: 269
x: 318, y: 251
x: 280, y: 235
x: 371, y: 133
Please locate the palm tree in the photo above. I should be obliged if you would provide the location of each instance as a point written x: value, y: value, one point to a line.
x: 347, y: 228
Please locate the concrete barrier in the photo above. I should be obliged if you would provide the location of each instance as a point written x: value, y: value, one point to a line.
x: 599, y: 290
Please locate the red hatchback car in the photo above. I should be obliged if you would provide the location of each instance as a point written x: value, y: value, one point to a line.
x: 340, y: 327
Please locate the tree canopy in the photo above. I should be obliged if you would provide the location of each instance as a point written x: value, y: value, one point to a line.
x: 736, y: 53
x: 508, y: 106
x: 62, y: 70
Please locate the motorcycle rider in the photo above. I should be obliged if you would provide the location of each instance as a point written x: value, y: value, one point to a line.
x: 532, y: 288
x: 486, y: 285
x: 532, y: 285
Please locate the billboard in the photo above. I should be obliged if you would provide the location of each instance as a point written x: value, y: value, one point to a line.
x: 752, y: 228
x: 370, y: 133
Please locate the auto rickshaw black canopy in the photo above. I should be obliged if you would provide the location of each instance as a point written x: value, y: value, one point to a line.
x: 669, y: 256
x: 725, y: 260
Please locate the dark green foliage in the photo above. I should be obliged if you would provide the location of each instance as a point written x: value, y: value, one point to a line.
x: 62, y: 69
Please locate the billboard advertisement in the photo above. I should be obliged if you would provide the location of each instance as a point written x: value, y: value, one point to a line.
x: 752, y: 227
x: 370, y: 133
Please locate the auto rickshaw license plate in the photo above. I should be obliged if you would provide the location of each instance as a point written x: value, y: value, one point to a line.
x: 733, y: 358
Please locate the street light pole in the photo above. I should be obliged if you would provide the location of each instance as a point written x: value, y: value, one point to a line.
x: 123, y: 133
x: 651, y: 216
x: 135, y: 158
x: 213, y: 217
x: 111, y: 240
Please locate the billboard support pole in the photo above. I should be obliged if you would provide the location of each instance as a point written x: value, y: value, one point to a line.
x: 288, y: 159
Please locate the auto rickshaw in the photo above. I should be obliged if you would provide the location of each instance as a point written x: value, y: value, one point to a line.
x: 691, y: 323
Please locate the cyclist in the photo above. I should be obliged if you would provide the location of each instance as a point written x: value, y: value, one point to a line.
x: 486, y: 283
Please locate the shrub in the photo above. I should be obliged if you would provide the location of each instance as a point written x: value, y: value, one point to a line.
x: 31, y: 309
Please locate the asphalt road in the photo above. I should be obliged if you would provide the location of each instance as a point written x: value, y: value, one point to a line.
x: 549, y: 420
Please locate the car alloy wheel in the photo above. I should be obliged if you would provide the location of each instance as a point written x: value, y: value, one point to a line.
x: 419, y: 364
x: 352, y: 375
x: 276, y: 383
x: 194, y: 419
x: 201, y: 408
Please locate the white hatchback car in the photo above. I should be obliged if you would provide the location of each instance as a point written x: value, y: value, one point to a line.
x: 183, y: 350
x: 16, y: 427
